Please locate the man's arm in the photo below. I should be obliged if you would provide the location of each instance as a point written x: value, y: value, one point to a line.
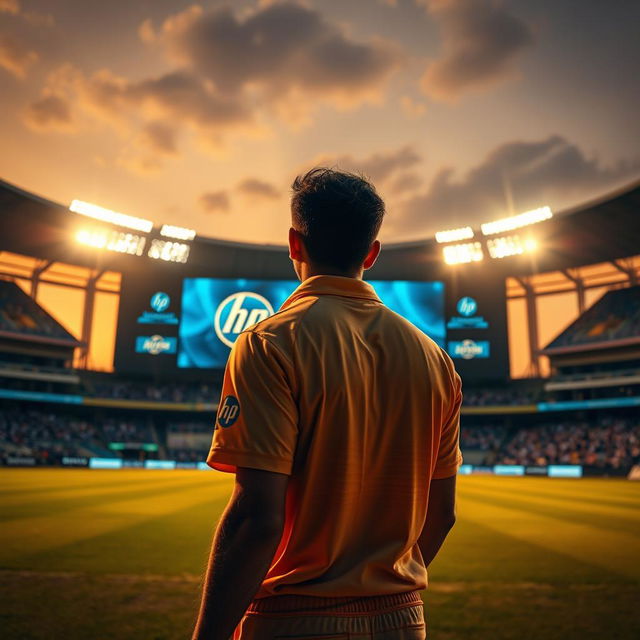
x: 243, y: 547
x: 441, y: 516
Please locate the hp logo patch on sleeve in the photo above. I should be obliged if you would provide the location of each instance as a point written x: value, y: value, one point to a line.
x: 229, y: 411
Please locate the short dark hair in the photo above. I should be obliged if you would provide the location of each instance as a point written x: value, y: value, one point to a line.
x: 338, y: 215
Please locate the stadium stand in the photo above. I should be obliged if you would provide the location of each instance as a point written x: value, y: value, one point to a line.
x: 45, y: 437
x: 21, y: 316
x: 609, y: 444
x: 613, y: 320
x: 602, y: 443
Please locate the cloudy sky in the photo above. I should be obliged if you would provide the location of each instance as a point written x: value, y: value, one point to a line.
x: 460, y: 111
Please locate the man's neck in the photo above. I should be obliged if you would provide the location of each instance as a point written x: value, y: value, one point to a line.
x: 308, y: 271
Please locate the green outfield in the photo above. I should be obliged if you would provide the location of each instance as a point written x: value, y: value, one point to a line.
x: 119, y: 554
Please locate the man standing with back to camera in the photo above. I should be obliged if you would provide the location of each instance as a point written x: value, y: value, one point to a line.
x: 340, y: 420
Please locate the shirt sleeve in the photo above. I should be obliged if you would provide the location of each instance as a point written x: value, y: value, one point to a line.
x: 257, y: 420
x: 449, y: 455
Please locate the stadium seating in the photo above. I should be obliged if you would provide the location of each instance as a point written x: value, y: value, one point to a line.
x: 607, y: 444
x: 599, y: 443
x: 615, y: 317
x: 20, y: 314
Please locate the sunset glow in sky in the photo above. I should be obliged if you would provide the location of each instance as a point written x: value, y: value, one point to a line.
x: 201, y: 115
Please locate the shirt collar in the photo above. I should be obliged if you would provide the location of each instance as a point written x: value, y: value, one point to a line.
x: 332, y: 286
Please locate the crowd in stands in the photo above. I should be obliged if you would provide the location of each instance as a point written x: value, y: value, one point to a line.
x: 46, y: 436
x: 187, y: 455
x: 192, y: 426
x: 169, y: 392
x: 197, y: 433
x: 120, y: 430
x: 489, y: 397
x: 608, y: 445
x: 210, y: 393
x: 482, y: 438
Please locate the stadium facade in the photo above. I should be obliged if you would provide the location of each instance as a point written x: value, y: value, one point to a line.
x: 180, y: 301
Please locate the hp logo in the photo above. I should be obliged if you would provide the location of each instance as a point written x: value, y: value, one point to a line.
x: 160, y: 301
x: 467, y: 306
x: 237, y: 312
x: 229, y: 411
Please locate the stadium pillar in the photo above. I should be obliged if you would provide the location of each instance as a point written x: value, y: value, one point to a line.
x: 532, y: 323
x: 43, y: 265
x: 626, y: 267
x: 87, y: 316
x: 574, y: 276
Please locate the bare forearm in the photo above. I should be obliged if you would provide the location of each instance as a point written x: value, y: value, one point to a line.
x: 432, y: 539
x: 241, y: 554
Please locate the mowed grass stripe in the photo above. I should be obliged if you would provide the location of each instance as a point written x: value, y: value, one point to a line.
x: 174, y: 543
x: 601, y: 516
x: 611, y: 550
x: 475, y: 552
x: 630, y: 505
x: 608, y: 489
x: 64, y: 500
x: 29, y: 535
x: 51, y: 480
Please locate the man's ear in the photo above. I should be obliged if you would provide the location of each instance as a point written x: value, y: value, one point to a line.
x: 372, y: 256
x: 295, y: 245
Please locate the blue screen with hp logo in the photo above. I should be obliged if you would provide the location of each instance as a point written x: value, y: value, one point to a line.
x: 215, y: 311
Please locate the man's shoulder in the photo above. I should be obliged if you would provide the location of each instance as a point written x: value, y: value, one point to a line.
x: 280, y: 327
x: 400, y: 323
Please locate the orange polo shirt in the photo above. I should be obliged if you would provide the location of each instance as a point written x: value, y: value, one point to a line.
x: 362, y: 410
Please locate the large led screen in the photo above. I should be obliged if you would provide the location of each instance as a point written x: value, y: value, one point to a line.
x: 215, y: 311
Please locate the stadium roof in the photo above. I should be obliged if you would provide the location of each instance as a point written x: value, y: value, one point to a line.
x: 599, y: 231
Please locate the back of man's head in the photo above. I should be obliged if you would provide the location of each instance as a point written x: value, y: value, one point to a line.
x: 338, y: 215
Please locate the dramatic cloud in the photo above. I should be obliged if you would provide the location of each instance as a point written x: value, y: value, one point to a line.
x: 280, y: 51
x: 20, y: 38
x: 380, y: 167
x: 481, y: 41
x: 145, y: 154
x: 10, y: 6
x: 259, y: 188
x: 405, y: 183
x: 526, y: 174
x: 50, y: 112
x: 177, y: 97
x: 232, y: 73
x: 412, y: 108
x: 16, y: 56
x: 214, y: 201
x: 160, y: 137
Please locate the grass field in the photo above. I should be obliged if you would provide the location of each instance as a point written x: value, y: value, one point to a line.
x: 119, y: 554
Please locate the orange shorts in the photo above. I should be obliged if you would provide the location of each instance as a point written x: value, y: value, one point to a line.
x: 391, y: 617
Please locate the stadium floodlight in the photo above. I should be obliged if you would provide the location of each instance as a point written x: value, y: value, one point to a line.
x: 180, y: 233
x: 463, y: 253
x: 454, y: 235
x: 505, y: 246
x: 515, y: 222
x: 168, y: 251
x: 97, y: 239
x: 118, y: 241
x: 106, y: 215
